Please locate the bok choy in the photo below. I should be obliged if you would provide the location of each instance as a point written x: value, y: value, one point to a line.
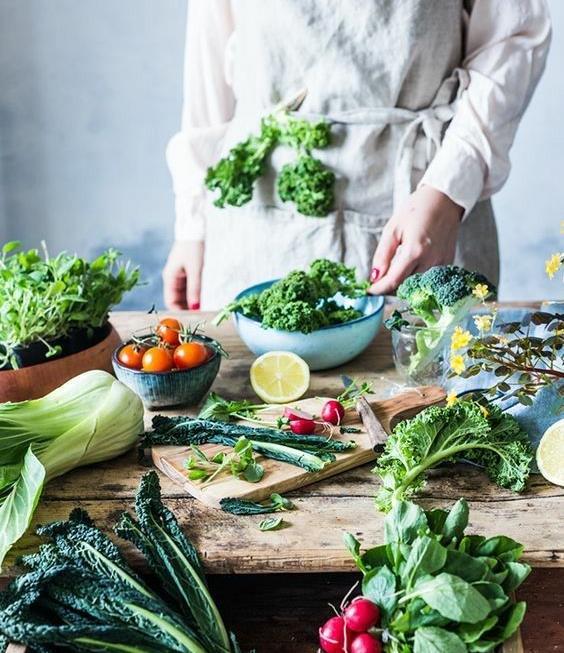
x: 90, y: 418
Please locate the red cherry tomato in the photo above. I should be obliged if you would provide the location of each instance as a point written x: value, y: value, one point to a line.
x: 131, y: 356
x: 157, y: 359
x: 169, y: 330
x: 361, y: 615
x: 190, y: 354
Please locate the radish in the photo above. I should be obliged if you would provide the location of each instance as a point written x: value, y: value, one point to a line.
x: 332, y: 635
x: 365, y: 643
x: 361, y: 615
x: 295, y: 413
x: 302, y: 426
x: 333, y: 412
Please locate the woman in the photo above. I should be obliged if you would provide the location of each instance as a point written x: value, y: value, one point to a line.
x: 424, y: 98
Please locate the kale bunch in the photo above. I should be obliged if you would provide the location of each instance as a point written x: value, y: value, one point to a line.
x: 303, y: 300
x: 465, y: 431
x: 306, y: 181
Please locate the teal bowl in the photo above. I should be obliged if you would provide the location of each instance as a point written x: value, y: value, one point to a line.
x: 322, y: 349
x: 174, y: 388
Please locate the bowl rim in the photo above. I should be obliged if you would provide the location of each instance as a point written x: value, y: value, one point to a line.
x: 266, y: 284
x: 207, y: 339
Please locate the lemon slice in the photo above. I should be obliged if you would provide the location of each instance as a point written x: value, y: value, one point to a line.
x: 550, y: 454
x: 279, y: 377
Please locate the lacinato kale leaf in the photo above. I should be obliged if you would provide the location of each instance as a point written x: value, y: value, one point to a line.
x: 465, y: 431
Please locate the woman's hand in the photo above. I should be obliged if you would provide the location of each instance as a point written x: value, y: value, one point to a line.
x: 420, y: 234
x: 182, y: 275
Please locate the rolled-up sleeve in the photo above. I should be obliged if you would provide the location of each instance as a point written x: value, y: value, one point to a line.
x: 208, y: 106
x: 506, y: 48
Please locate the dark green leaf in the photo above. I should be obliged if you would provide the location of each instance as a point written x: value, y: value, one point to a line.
x: 456, y: 521
x: 426, y: 557
x: 517, y: 572
x: 404, y: 522
x: 473, y: 632
x: 379, y: 585
x: 430, y: 639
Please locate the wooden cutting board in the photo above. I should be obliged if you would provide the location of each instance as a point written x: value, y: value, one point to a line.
x: 281, y: 477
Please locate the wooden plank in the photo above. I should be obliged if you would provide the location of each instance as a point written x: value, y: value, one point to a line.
x: 281, y: 477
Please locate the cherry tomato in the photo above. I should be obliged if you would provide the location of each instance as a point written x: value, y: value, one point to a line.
x: 132, y: 356
x: 190, y: 354
x: 169, y: 330
x: 157, y: 359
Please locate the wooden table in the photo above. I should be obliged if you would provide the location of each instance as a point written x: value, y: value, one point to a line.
x: 282, y: 612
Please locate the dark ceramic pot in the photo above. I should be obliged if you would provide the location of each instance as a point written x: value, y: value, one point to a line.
x: 175, y: 388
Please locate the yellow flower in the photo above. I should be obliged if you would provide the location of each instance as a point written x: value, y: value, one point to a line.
x: 553, y: 265
x: 457, y: 363
x: 503, y: 340
x: 485, y: 411
x: 460, y: 338
x: 483, y: 322
x: 451, y: 399
x: 481, y: 291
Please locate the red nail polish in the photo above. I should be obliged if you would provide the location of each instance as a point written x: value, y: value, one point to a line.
x: 374, y: 274
x: 195, y: 306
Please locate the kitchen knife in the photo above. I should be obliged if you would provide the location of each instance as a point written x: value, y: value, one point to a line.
x: 373, y: 426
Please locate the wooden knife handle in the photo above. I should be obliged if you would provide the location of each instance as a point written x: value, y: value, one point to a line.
x: 407, y: 404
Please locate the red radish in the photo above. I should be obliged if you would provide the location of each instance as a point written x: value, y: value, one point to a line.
x: 333, y: 412
x: 361, y: 615
x: 302, y: 426
x: 332, y: 635
x: 295, y: 413
x: 365, y: 643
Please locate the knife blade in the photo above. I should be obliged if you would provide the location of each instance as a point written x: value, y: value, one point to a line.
x: 376, y: 432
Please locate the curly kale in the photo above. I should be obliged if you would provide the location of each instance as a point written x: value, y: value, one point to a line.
x: 465, y: 431
x: 309, y: 184
x: 303, y: 301
x: 306, y: 182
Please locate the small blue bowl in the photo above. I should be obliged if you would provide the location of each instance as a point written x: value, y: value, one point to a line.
x: 174, y: 388
x: 321, y: 349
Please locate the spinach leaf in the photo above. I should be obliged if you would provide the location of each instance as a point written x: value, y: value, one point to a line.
x: 456, y: 521
x: 501, y: 547
x: 453, y: 597
x: 404, y: 522
x: 430, y: 639
x: 377, y: 556
x: 379, y: 585
x: 426, y: 557
x: 517, y: 572
x: 467, y: 567
x: 473, y: 632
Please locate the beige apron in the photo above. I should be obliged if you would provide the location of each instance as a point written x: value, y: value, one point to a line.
x: 384, y: 73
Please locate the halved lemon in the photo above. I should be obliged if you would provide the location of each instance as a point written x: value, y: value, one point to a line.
x: 279, y: 377
x: 550, y: 454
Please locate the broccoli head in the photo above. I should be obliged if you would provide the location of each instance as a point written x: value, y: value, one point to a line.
x: 442, y: 296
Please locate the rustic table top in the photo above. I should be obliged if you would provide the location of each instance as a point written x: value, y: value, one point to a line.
x: 313, y: 541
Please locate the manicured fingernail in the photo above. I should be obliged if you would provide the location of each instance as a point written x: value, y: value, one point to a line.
x: 374, y: 274
x: 195, y: 306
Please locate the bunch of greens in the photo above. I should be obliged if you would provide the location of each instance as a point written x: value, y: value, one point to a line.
x: 240, y: 463
x: 311, y: 452
x: 79, y: 592
x: 464, y: 431
x: 306, y: 182
x: 440, y: 297
x: 243, y: 507
x: 439, y: 590
x: 90, y: 418
x: 303, y: 301
x: 44, y: 299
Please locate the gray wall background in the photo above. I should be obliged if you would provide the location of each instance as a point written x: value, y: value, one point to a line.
x: 90, y: 93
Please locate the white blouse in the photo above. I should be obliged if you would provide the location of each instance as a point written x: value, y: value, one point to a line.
x: 506, y: 41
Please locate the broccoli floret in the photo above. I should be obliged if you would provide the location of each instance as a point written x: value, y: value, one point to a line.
x: 441, y: 297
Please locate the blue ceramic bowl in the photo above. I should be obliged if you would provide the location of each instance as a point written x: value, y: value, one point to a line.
x: 175, y: 388
x: 321, y: 349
